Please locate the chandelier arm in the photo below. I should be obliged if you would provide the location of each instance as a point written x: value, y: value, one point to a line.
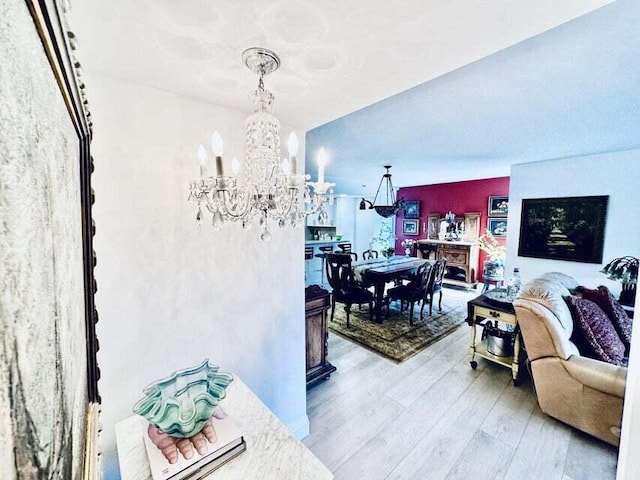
x: 291, y: 201
x: 209, y: 203
x: 232, y: 213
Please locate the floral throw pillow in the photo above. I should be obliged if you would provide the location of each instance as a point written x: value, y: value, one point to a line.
x: 593, y: 333
x: 606, y: 301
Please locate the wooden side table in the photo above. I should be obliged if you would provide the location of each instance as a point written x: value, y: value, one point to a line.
x: 482, y: 311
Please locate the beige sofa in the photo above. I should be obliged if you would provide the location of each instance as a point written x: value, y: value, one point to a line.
x: 584, y: 393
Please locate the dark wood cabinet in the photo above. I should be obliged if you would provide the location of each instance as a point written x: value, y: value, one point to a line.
x: 317, y: 304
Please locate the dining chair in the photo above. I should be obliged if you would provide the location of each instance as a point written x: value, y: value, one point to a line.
x: 344, y: 287
x: 412, y: 292
x: 345, y: 247
x: 353, y: 255
x: 324, y: 250
x: 435, y: 285
x: 369, y: 254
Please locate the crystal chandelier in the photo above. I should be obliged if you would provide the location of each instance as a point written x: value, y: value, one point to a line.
x: 392, y: 205
x: 264, y: 187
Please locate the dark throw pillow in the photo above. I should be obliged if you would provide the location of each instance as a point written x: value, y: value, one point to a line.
x: 593, y: 333
x: 607, y: 302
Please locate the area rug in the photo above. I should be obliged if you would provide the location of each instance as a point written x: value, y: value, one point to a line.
x: 394, y: 338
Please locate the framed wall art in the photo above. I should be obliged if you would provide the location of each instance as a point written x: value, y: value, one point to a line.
x: 412, y: 209
x: 566, y: 228
x: 498, y: 206
x: 497, y: 227
x: 47, y: 310
x: 410, y: 227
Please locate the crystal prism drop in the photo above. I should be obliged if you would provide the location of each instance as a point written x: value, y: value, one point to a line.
x: 282, y: 223
x: 199, y: 217
x: 265, y: 236
x: 217, y: 221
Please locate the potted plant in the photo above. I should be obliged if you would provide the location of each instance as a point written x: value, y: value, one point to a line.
x: 624, y: 270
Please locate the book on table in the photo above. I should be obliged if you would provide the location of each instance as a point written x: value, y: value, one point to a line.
x: 229, y: 443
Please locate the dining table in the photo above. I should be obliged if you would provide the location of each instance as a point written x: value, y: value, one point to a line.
x: 378, y: 271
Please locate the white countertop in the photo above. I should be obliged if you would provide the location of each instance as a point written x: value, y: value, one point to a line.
x: 273, y: 453
x: 319, y: 242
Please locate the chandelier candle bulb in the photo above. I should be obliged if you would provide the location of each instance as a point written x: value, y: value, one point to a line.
x: 216, y: 144
x: 322, y: 161
x: 235, y: 166
x: 293, y: 145
x: 202, y: 158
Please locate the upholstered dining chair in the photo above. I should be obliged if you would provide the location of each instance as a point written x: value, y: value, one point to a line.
x: 412, y: 292
x: 369, y: 254
x: 435, y: 285
x: 345, y: 289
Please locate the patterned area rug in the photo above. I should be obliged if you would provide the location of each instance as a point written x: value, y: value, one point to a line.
x: 394, y: 338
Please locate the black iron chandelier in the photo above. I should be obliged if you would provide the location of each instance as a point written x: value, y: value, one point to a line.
x: 392, y: 205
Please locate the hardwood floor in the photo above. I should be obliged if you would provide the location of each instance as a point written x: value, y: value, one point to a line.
x: 433, y: 417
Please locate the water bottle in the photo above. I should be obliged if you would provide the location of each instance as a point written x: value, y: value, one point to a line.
x: 515, y: 283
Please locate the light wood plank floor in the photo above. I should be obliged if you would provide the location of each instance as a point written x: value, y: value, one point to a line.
x: 433, y: 417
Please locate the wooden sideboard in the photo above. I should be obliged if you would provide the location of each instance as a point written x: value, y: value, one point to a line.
x: 462, y: 260
x: 317, y: 303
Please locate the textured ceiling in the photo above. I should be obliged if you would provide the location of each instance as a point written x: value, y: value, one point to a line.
x: 572, y: 91
x: 337, y: 56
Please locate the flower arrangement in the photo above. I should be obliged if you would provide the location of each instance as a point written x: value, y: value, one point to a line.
x: 488, y: 243
x: 408, y: 243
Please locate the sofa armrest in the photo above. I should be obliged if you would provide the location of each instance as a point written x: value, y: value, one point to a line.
x: 598, y: 375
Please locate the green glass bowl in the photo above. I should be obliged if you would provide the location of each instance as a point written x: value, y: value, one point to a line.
x: 181, y: 404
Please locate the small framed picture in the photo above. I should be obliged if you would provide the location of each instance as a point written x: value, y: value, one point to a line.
x: 498, y: 206
x: 412, y: 209
x: 410, y: 227
x: 497, y: 227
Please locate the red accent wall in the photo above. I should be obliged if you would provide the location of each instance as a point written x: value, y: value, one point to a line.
x: 459, y: 197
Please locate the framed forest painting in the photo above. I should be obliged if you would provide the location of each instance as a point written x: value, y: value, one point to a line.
x: 567, y: 228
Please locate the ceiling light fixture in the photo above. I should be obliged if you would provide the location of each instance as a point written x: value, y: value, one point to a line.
x: 392, y: 206
x: 264, y: 187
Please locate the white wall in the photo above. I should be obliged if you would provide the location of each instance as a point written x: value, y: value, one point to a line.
x: 172, y: 293
x: 345, y: 219
x: 628, y: 459
x: 614, y: 174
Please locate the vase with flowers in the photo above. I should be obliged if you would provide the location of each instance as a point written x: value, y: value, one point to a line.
x: 408, y: 244
x: 494, y: 264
